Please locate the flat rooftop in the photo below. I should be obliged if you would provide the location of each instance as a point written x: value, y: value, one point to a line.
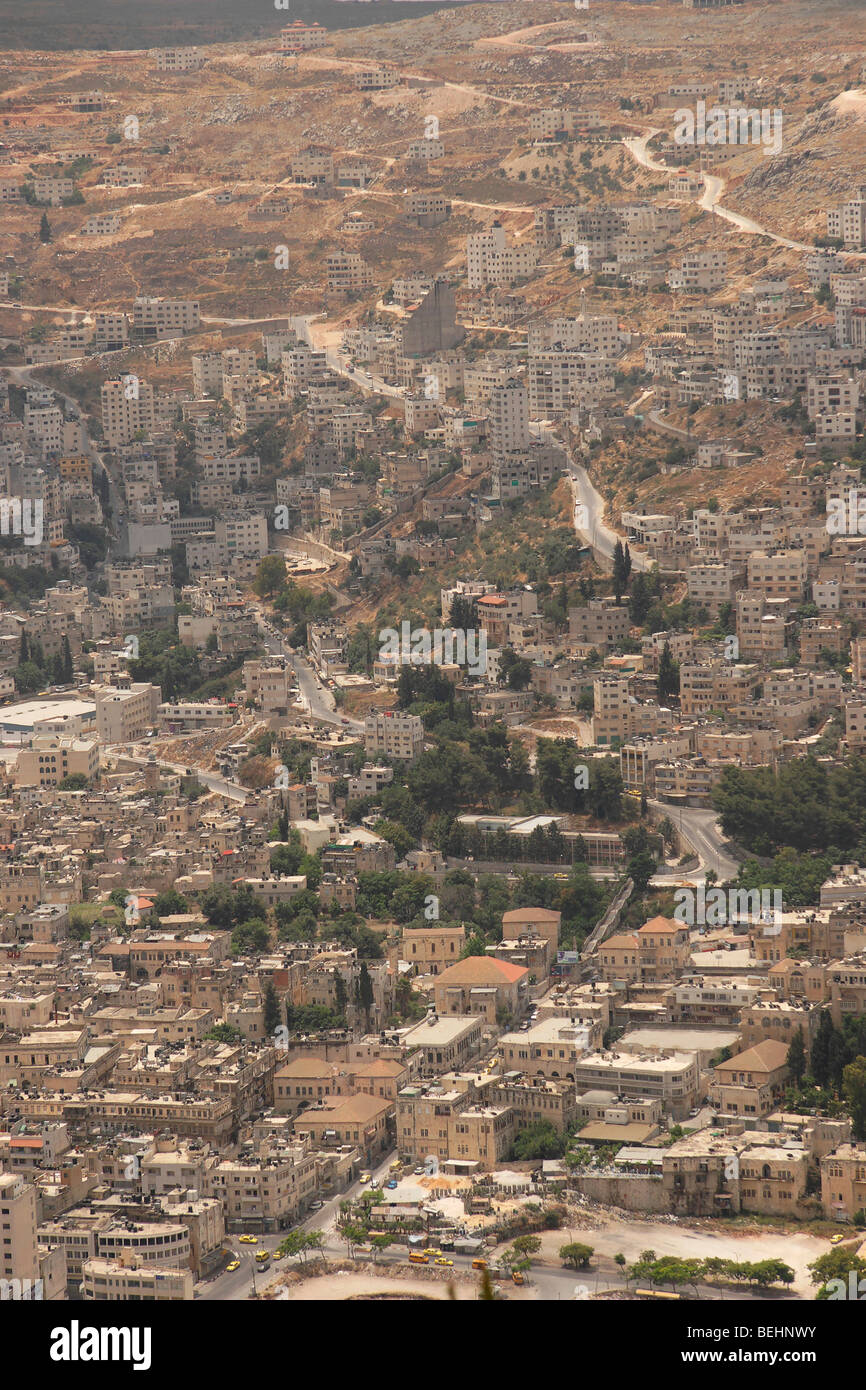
x: 443, y: 1031
x: 29, y: 712
x: 679, y: 1039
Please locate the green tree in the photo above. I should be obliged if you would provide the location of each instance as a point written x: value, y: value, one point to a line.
x: 225, y: 1033
x: 538, y: 1140
x: 575, y: 1255
x: 821, y: 1048
x: 621, y: 569
x: 669, y: 674
x: 854, y: 1091
x: 836, y: 1264
x: 250, y: 938
x: 797, y: 1057
x: 273, y: 1016
x: 169, y: 903
x: 45, y: 232
x: 270, y: 576
x: 365, y: 992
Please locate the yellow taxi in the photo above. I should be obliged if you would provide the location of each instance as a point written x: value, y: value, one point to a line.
x: 365, y: 1177
x: 441, y: 1260
x: 232, y: 1266
x: 248, y: 1240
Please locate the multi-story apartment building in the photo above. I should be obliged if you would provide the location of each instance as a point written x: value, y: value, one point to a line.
x: 19, y: 1246
x: 178, y: 59
x: 302, y: 38
x: 127, y: 409
x: 160, y: 318
x: 395, y: 734
x: 430, y: 950
x: 674, y: 1079
x: 267, y: 1191
x: 611, y: 716
x: 348, y: 272
x: 848, y: 222
x: 492, y: 262
x: 780, y: 574
x: 752, y: 1083
x: 126, y: 715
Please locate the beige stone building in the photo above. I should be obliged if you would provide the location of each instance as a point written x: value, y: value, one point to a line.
x: 131, y: 1280
x: 843, y: 1182
x: 360, y: 1120
x: 267, y: 1191
x: 432, y: 949
x: 752, y: 1083
x: 480, y: 985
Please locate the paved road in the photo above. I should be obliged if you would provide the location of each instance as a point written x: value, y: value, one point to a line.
x: 238, y: 1284
x: 713, y: 189
x: 591, y: 527
x: 317, y: 698
x: 700, y: 828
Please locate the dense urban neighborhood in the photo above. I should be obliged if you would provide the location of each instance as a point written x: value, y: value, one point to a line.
x: 433, y: 656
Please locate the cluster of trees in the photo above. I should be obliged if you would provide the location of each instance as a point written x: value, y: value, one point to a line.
x: 312, y: 1018
x: 836, y: 1069
x: 579, y: 897
x: 560, y: 776
x: 472, y: 767
x: 803, y: 805
x: 92, y: 542
x: 836, y: 1264
x: 291, y: 858
x: 645, y: 599
x: 538, y: 1140
x: 166, y: 662
x: 308, y: 921
x: 301, y: 1243
x: 797, y: 876
x: 673, y: 1271
x: 34, y: 670
x: 226, y: 907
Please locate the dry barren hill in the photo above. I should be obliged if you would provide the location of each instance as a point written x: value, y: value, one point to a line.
x: 480, y: 70
x: 119, y: 24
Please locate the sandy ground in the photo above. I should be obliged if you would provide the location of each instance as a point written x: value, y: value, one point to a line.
x: 631, y: 1237
x: 521, y: 38
x: 851, y: 101
x: 337, y: 1287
